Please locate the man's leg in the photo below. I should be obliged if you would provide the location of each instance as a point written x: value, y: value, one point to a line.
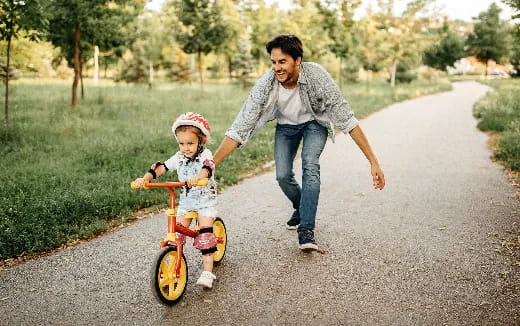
x: 286, y: 141
x: 314, y: 140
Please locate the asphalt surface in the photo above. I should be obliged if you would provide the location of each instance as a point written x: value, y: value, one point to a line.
x: 427, y: 250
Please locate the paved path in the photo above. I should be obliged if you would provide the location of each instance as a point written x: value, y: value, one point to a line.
x: 425, y: 251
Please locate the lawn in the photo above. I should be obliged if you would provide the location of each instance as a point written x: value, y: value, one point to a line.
x: 65, y: 175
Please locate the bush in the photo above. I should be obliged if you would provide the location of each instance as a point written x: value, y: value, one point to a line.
x: 499, y: 111
x: 509, y: 150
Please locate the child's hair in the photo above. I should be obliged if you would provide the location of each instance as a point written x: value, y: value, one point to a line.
x: 200, y: 135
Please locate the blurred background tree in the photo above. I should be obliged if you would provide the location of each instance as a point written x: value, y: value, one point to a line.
x: 491, y: 37
x: 16, y: 17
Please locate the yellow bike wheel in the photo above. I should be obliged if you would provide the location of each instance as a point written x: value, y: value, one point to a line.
x: 166, y: 286
x: 219, y: 229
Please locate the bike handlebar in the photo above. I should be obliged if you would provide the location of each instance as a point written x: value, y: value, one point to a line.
x: 147, y: 185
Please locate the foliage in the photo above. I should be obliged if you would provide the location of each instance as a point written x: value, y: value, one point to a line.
x: 243, y: 62
x: 338, y: 22
x: 31, y: 57
x: 515, y: 52
x: 263, y: 23
x: 499, y: 112
x: 180, y: 66
x: 27, y: 16
x: 74, y: 30
x: 404, y: 74
x: 17, y: 16
x: 134, y: 66
x: 201, y: 28
x: 446, y: 52
x: 13, y: 72
x: 515, y: 4
x: 350, y: 72
x: 303, y: 20
x: 399, y: 38
x: 491, y: 38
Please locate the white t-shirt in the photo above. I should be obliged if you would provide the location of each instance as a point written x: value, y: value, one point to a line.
x: 290, y: 108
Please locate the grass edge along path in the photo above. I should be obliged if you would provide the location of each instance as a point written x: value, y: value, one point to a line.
x: 66, y: 175
x: 498, y: 114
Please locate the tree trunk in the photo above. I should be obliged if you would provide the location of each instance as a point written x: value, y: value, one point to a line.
x: 7, y: 81
x: 392, y: 74
x: 487, y: 64
x: 230, y: 67
x: 201, y: 71
x: 76, y: 70
x: 150, y: 75
x: 96, y: 65
x: 81, y: 78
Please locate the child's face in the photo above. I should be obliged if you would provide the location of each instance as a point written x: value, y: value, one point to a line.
x: 188, y: 142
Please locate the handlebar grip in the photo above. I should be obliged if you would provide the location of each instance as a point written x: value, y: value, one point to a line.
x: 202, y: 183
x: 134, y: 186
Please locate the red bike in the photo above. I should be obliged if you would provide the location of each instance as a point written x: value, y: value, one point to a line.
x: 169, y: 274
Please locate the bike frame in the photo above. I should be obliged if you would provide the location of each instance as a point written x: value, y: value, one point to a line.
x: 173, y: 227
x: 171, y: 237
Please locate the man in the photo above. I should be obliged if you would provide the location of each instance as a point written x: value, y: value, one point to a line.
x: 304, y: 99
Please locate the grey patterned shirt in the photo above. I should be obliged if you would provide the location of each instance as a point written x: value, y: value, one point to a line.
x: 319, y: 95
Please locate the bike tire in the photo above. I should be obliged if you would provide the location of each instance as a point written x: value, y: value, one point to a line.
x: 219, y: 229
x: 166, y: 287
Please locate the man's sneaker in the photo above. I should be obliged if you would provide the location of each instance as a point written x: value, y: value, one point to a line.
x: 292, y: 224
x: 306, y: 240
x: 206, y: 279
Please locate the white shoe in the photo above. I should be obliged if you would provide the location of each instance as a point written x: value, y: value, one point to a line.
x: 206, y: 279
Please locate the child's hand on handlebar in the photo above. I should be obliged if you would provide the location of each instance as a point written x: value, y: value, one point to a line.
x: 139, y: 182
x: 192, y: 182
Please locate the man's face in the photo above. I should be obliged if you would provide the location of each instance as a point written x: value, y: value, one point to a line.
x: 285, y: 67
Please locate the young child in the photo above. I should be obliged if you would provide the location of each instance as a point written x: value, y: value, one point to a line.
x: 193, y: 162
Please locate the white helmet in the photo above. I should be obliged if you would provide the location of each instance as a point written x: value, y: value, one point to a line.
x: 192, y: 119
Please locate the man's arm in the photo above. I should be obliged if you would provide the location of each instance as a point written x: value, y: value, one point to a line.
x: 227, y: 146
x: 360, y: 139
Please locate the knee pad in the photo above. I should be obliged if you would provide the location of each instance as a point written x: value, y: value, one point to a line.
x: 206, y: 241
x: 182, y: 238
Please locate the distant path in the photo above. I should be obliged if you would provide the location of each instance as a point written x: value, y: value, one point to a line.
x: 424, y: 251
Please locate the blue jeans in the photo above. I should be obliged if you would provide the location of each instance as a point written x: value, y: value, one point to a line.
x: 286, y: 142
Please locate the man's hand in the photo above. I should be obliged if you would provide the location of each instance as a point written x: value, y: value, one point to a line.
x: 378, y: 177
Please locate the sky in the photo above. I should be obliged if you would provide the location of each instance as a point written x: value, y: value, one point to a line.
x: 455, y: 9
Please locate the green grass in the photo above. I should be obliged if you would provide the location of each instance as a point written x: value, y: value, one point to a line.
x: 499, y: 112
x: 66, y: 175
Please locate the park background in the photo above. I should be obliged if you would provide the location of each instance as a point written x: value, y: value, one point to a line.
x: 91, y: 88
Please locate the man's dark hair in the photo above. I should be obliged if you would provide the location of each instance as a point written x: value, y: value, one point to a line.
x: 290, y: 44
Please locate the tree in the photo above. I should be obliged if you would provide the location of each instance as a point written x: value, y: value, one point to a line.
x: 491, y: 38
x: 262, y: 23
x: 243, y: 61
x: 78, y: 25
x: 515, y: 4
x: 399, y: 37
x: 338, y: 22
x: 17, y: 16
x: 304, y: 20
x: 202, y: 29
x: 146, y: 49
x: 446, y: 52
x: 515, y: 51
